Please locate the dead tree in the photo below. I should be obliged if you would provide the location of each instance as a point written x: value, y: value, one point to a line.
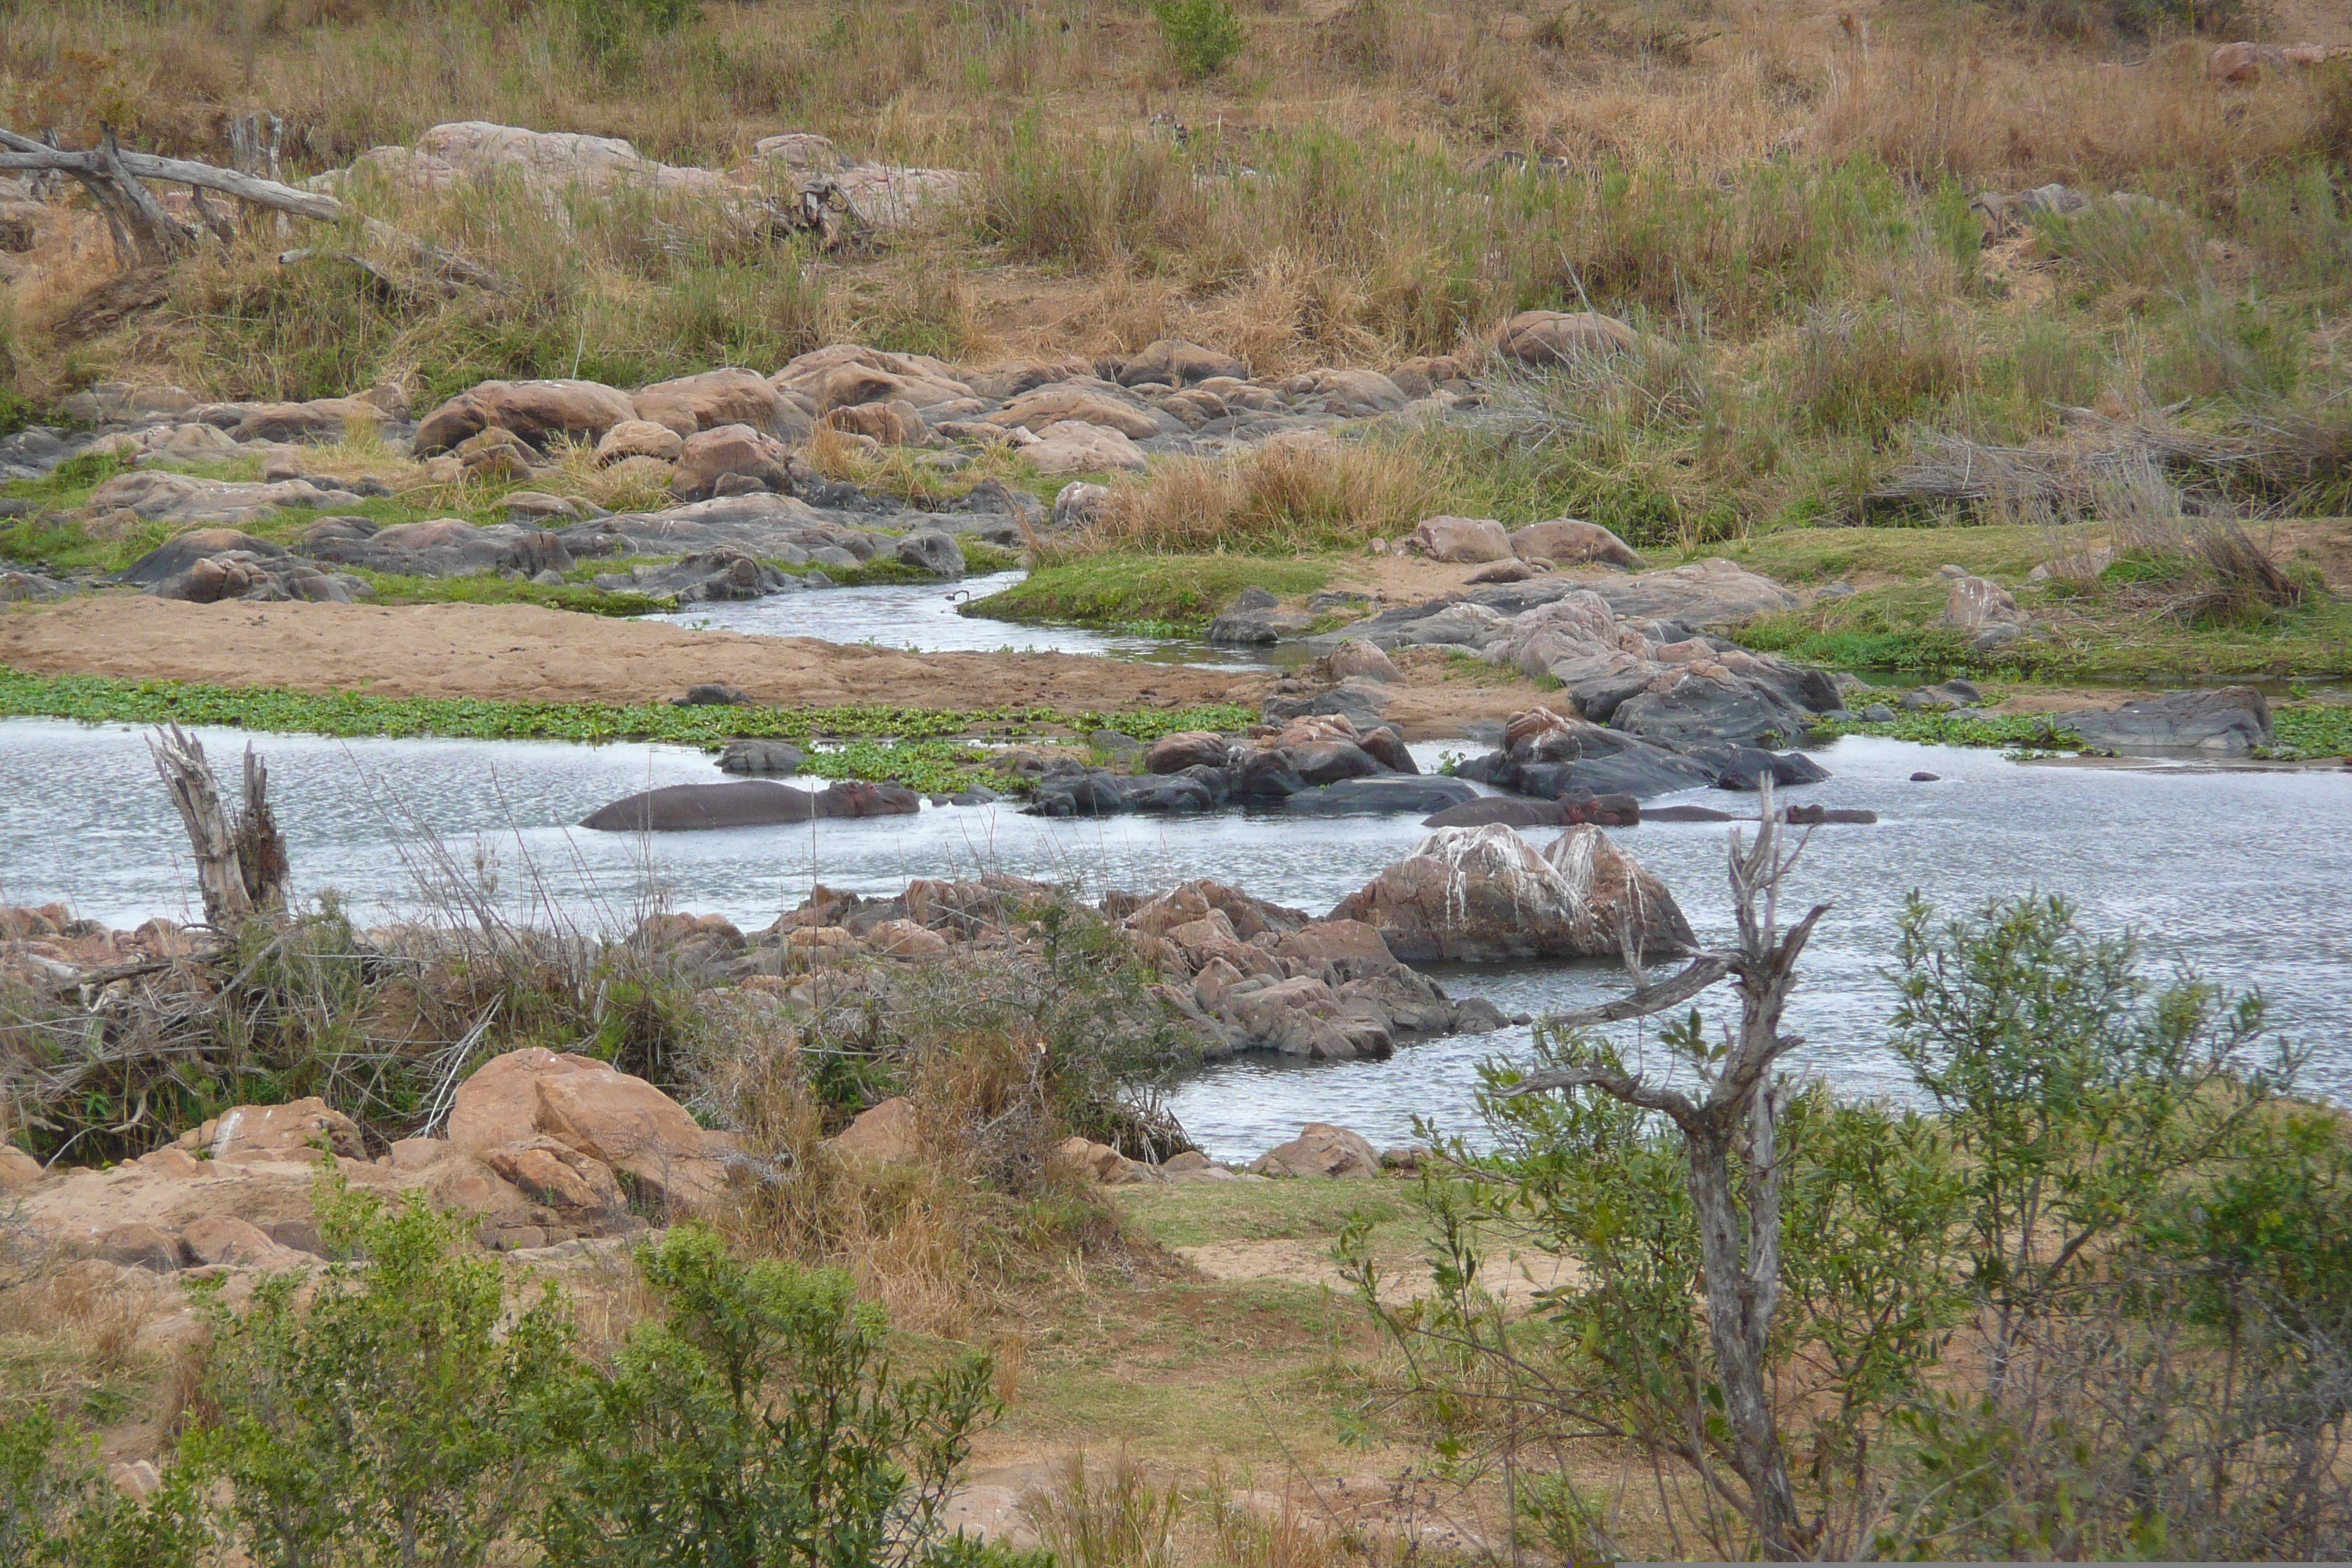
x: 147, y: 235
x: 241, y: 863
x: 1733, y: 1119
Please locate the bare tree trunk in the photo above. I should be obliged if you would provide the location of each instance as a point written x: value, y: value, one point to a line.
x: 241, y: 862
x: 1739, y: 1254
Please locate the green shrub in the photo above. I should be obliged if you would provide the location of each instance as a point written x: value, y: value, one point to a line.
x: 57, y: 1507
x: 1201, y: 35
x: 389, y: 1419
x: 759, y: 1423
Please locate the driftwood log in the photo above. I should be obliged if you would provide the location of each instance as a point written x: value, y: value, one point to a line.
x: 147, y: 235
x: 241, y: 863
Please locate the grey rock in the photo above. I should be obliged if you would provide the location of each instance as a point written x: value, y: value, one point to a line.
x: 933, y: 552
x: 2227, y: 720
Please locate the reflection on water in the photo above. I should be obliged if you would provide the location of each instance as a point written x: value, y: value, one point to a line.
x: 923, y: 616
x: 2242, y: 874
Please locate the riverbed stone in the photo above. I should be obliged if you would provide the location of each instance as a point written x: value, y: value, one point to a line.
x: 2228, y: 720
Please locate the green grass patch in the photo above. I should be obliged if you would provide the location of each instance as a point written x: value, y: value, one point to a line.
x: 914, y: 745
x: 2303, y: 730
x: 1826, y: 554
x: 1175, y: 591
x: 487, y: 588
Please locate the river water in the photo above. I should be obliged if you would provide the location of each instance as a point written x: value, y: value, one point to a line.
x: 2243, y: 875
x: 926, y: 617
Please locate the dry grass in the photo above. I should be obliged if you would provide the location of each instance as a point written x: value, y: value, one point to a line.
x: 1287, y: 493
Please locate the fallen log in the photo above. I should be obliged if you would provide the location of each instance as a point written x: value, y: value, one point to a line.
x: 145, y: 231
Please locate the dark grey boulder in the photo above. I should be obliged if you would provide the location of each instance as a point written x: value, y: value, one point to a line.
x: 712, y: 694
x: 1329, y: 761
x: 1638, y: 771
x: 1385, y: 793
x: 1386, y: 747
x: 1746, y: 767
x: 1357, y: 700
x: 1262, y: 775
x: 1707, y: 712
x: 930, y: 551
x: 1175, y: 794
x: 1091, y: 793
x: 2227, y: 720
x: 175, y: 556
x: 748, y: 802
x: 773, y: 759
x: 713, y: 577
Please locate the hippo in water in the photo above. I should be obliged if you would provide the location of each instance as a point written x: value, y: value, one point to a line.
x: 748, y: 803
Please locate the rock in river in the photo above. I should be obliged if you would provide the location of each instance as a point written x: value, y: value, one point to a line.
x: 1483, y: 894
x: 2230, y: 721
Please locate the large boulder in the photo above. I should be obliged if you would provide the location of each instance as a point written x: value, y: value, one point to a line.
x: 1344, y: 393
x: 929, y: 550
x: 1459, y: 539
x: 2227, y: 720
x: 176, y: 554
x: 300, y: 1130
x: 1320, y: 1150
x: 1983, y: 611
x: 717, y: 397
x: 593, y: 1110
x: 1569, y: 541
x: 1704, y: 593
x: 1715, y: 707
x: 159, y: 494
x: 730, y: 451
x: 1171, y: 361
x: 1186, y: 749
x: 710, y: 576
x: 1552, y: 757
x: 533, y: 410
x: 1483, y: 894
x: 1048, y: 405
x: 1561, y: 337
x: 640, y: 438
x: 1073, y: 446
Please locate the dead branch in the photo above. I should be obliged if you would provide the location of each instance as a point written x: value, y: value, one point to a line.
x: 1731, y: 1128
x: 1704, y: 972
x: 144, y: 230
x: 241, y: 862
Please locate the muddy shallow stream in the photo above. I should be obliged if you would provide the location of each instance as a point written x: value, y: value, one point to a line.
x: 2245, y: 875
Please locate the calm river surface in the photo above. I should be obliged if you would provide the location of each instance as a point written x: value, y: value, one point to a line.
x: 2245, y: 875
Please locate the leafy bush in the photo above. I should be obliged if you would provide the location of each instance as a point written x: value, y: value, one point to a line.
x: 1201, y: 35
x: 391, y: 1419
x: 57, y: 1506
x: 2094, y: 1301
x: 759, y: 1423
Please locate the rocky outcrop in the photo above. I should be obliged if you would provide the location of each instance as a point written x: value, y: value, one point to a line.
x: 1483, y: 894
x: 1983, y: 611
x: 534, y: 412
x: 716, y: 398
x: 1320, y: 1150
x: 1569, y: 542
x: 2227, y: 720
x: 1545, y: 338
x: 565, y: 1125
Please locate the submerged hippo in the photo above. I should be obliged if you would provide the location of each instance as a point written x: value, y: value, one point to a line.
x: 749, y: 802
